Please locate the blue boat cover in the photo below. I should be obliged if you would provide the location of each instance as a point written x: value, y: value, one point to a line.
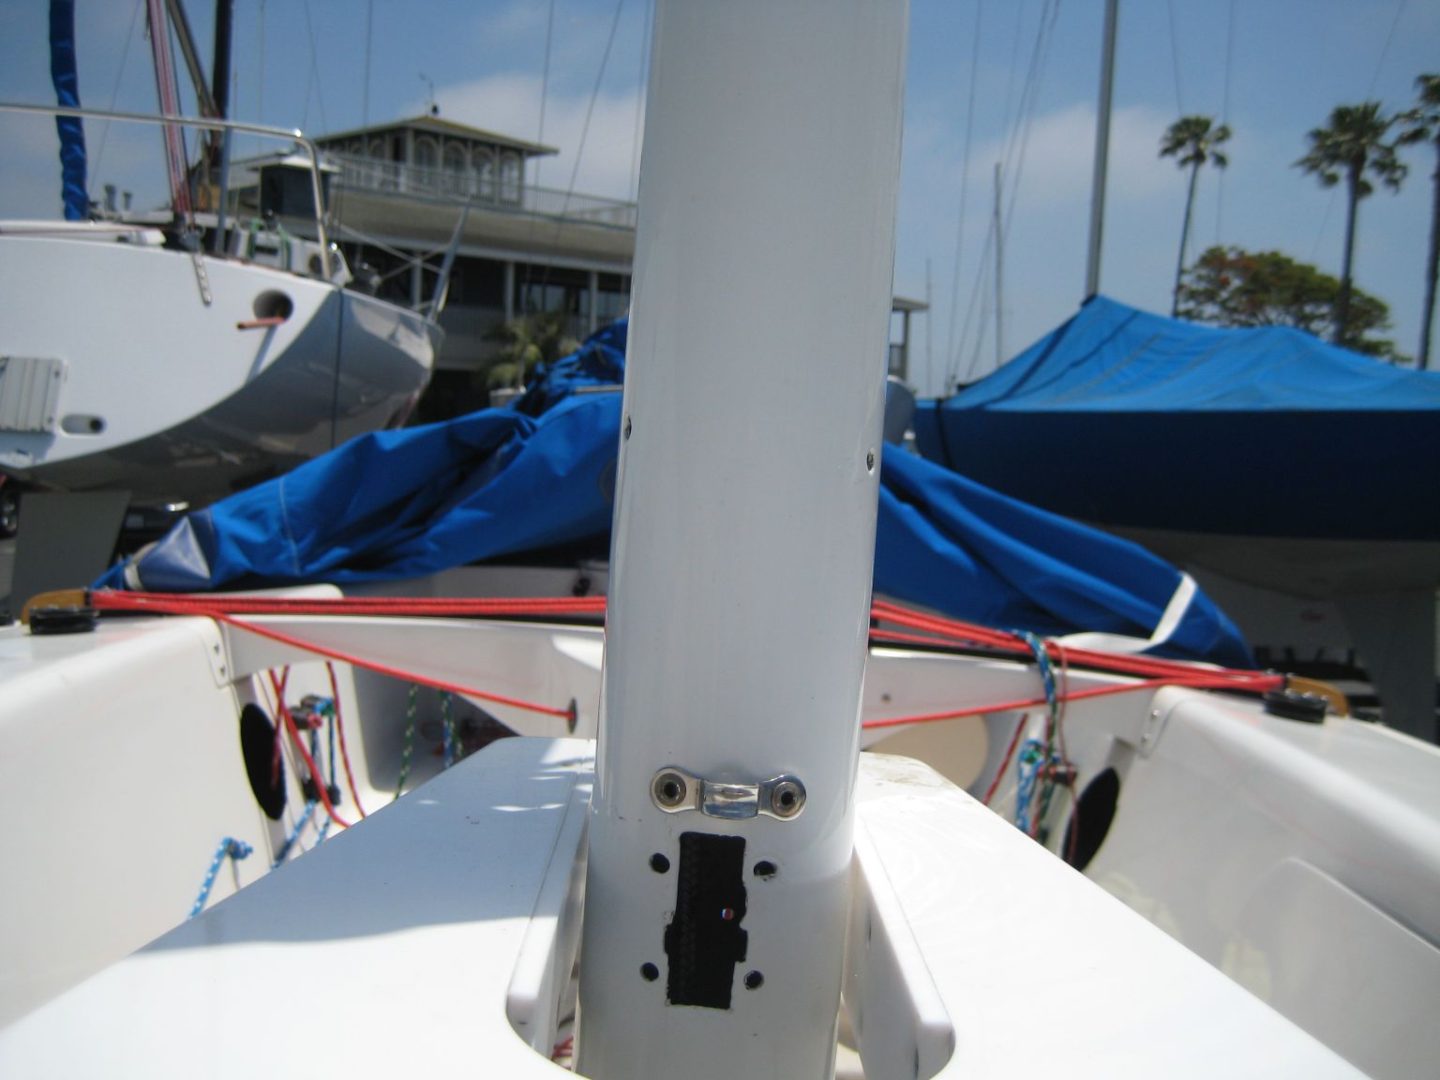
x: 67, y: 92
x: 1126, y: 418
x: 500, y: 484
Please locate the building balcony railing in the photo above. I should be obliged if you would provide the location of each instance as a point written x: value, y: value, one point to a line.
x: 500, y: 192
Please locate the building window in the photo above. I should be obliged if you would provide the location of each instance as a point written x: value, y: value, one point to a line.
x: 427, y: 153
x: 484, y: 163
x: 457, y: 169
x: 510, y: 178
x: 386, y: 173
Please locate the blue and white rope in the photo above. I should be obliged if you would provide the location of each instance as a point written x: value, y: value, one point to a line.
x: 1047, y: 672
x: 1032, y: 755
x: 229, y: 848
x: 289, y: 843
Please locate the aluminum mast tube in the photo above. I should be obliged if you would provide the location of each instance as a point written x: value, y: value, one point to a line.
x: 720, y: 837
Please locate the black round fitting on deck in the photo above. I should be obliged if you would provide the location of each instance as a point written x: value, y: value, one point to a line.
x: 1291, y: 705
x: 62, y: 620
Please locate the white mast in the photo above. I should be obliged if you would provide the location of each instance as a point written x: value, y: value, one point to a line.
x: 721, y: 833
x: 999, y: 277
x: 1102, y: 152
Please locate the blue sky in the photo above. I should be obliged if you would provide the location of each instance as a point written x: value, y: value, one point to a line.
x: 304, y: 62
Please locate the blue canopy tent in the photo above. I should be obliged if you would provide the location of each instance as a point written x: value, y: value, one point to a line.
x: 502, y: 483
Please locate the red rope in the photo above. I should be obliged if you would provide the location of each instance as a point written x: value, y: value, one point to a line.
x: 108, y: 601
x: 340, y: 730
x: 204, y: 603
x: 970, y: 634
x: 1258, y: 682
x: 919, y: 628
x: 315, y: 776
x: 279, y: 747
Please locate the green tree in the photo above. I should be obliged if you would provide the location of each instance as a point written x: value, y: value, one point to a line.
x: 1351, y: 146
x: 1192, y: 142
x: 1422, y: 124
x: 1231, y: 287
x: 527, y: 342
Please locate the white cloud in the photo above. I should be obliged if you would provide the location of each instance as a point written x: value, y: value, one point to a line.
x: 1059, y: 155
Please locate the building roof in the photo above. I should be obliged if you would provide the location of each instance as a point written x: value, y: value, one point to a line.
x: 435, y: 125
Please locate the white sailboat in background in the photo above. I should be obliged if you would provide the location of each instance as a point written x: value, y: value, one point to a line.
x: 183, y: 354
x: 725, y: 885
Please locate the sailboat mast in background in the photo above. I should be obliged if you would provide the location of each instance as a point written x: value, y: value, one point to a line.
x: 1102, y: 152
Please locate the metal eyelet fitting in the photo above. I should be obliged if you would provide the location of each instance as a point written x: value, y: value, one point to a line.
x: 787, y: 797
x: 669, y: 789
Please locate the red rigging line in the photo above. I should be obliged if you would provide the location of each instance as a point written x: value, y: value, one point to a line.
x: 917, y: 628
x: 165, y: 603
x: 315, y: 775
x: 218, y: 609
x: 339, y: 722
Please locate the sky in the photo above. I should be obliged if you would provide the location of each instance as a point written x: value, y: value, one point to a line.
x: 1008, y: 81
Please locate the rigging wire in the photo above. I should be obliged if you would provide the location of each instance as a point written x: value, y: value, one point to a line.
x: 584, y: 134
x: 964, y: 187
x: 1014, y: 167
x: 641, y: 91
x: 1175, y: 58
x: 539, y: 141
x: 314, y: 79
x: 1385, y: 49
x: 115, y: 90
x: 260, y: 82
x: 544, y: 86
x: 1225, y: 119
x: 369, y: 50
x: 1369, y: 93
x: 590, y: 108
x: 1014, y: 67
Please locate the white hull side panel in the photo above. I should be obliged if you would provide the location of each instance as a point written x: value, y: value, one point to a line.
x: 188, y: 406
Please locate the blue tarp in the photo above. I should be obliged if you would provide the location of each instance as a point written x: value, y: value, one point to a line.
x: 500, y: 483
x: 1126, y: 418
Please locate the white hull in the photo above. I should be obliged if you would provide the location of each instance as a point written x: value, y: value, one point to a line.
x: 1298, y: 859
x: 165, y: 395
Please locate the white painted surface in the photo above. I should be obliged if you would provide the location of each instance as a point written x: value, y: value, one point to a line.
x: 124, y: 767
x: 745, y: 512
x: 534, y: 662
x: 159, y: 395
x: 144, y: 351
x: 122, y: 774
x: 432, y: 941
x: 1303, y: 860
x: 1039, y: 972
x: 389, y: 951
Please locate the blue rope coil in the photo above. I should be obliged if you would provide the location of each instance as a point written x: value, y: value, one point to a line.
x: 229, y: 848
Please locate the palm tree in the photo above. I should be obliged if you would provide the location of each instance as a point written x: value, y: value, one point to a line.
x: 1192, y: 141
x: 1422, y: 124
x: 1353, y: 145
